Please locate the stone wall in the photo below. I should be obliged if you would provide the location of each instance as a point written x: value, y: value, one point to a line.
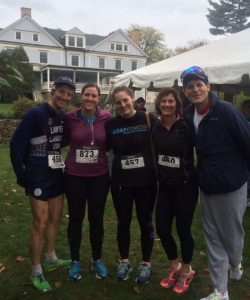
x: 7, y: 128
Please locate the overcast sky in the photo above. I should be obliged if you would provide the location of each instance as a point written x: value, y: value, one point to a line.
x: 179, y: 20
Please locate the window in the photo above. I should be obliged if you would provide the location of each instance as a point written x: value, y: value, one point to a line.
x: 80, y: 42
x: 118, y: 64
x: 75, y: 60
x: 35, y: 37
x: 118, y: 47
x: 43, y: 57
x: 71, y: 41
x: 18, y: 35
x: 9, y: 51
x: 101, y: 62
x: 134, y: 65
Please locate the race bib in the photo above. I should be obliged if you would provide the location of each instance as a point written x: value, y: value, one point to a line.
x: 87, y: 156
x: 56, y: 161
x: 132, y: 162
x: 169, y: 161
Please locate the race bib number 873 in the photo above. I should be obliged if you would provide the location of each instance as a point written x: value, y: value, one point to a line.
x: 87, y: 156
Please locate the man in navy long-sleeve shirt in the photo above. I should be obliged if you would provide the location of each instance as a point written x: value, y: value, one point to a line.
x: 35, y: 151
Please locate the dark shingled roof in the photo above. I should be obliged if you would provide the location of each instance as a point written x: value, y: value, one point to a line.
x: 91, y: 39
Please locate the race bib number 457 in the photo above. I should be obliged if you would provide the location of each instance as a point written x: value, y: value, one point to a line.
x: 169, y: 161
x: 132, y: 163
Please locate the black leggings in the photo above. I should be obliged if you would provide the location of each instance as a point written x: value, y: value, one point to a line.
x: 78, y: 191
x: 144, y: 198
x: 181, y: 205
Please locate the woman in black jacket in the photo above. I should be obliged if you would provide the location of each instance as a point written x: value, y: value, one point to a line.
x: 178, y: 188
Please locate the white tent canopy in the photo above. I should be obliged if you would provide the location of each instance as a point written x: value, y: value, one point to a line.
x: 225, y: 61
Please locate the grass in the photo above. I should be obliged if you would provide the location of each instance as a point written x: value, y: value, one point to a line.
x: 5, y: 107
x: 15, y: 223
x: 6, y: 111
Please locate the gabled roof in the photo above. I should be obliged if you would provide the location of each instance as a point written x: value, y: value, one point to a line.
x: 35, y: 24
x: 91, y: 39
x: 57, y: 34
x: 75, y: 30
x: 121, y: 32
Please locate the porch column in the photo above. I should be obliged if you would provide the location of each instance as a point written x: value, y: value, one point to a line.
x: 98, y: 78
x: 48, y: 79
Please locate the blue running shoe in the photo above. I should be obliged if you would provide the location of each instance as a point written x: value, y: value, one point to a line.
x: 100, y: 269
x: 75, y: 271
x: 144, y: 273
x: 123, y: 271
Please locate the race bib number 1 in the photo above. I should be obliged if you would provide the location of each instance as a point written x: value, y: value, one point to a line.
x: 169, y: 161
x: 132, y: 163
x: 56, y: 161
x: 87, y: 156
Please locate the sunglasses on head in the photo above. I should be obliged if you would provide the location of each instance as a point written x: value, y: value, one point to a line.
x: 193, y: 70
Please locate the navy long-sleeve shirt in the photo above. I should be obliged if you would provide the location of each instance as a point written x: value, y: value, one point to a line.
x: 39, y: 134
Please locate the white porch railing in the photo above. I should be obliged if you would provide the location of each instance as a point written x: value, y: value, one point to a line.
x: 105, y: 88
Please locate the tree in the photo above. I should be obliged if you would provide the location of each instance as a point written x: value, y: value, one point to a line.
x: 150, y: 40
x: 189, y: 46
x: 228, y: 16
x: 16, y: 75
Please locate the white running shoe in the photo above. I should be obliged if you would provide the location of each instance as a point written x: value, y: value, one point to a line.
x: 217, y: 295
x: 236, y: 273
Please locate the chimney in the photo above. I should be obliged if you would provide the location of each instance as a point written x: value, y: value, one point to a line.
x: 25, y: 11
x: 135, y: 36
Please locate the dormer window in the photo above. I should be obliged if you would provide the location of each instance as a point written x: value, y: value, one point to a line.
x: 71, y: 41
x: 79, y: 42
x: 75, y: 41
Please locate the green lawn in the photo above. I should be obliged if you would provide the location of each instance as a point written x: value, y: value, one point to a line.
x: 15, y: 222
x: 5, y: 107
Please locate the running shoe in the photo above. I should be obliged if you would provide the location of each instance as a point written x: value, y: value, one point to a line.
x: 40, y: 283
x: 144, y: 272
x: 217, y: 295
x: 171, y: 278
x: 236, y: 273
x: 59, y: 263
x: 123, y: 271
x: 75, y: 271
x: 100, y: 269
x: 183, y: 282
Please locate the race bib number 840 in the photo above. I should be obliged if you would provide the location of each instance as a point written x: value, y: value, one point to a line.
x: 169, y: 161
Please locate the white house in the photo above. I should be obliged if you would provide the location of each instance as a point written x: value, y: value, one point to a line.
x: 86, y: 58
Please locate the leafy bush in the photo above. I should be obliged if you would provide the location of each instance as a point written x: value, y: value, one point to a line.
x: 21, y: 106
x: 7, y: 115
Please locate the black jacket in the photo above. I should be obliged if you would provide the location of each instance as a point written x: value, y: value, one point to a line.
x: 175, y: 154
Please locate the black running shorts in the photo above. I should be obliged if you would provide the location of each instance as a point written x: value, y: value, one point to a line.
x: 44, y: 182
